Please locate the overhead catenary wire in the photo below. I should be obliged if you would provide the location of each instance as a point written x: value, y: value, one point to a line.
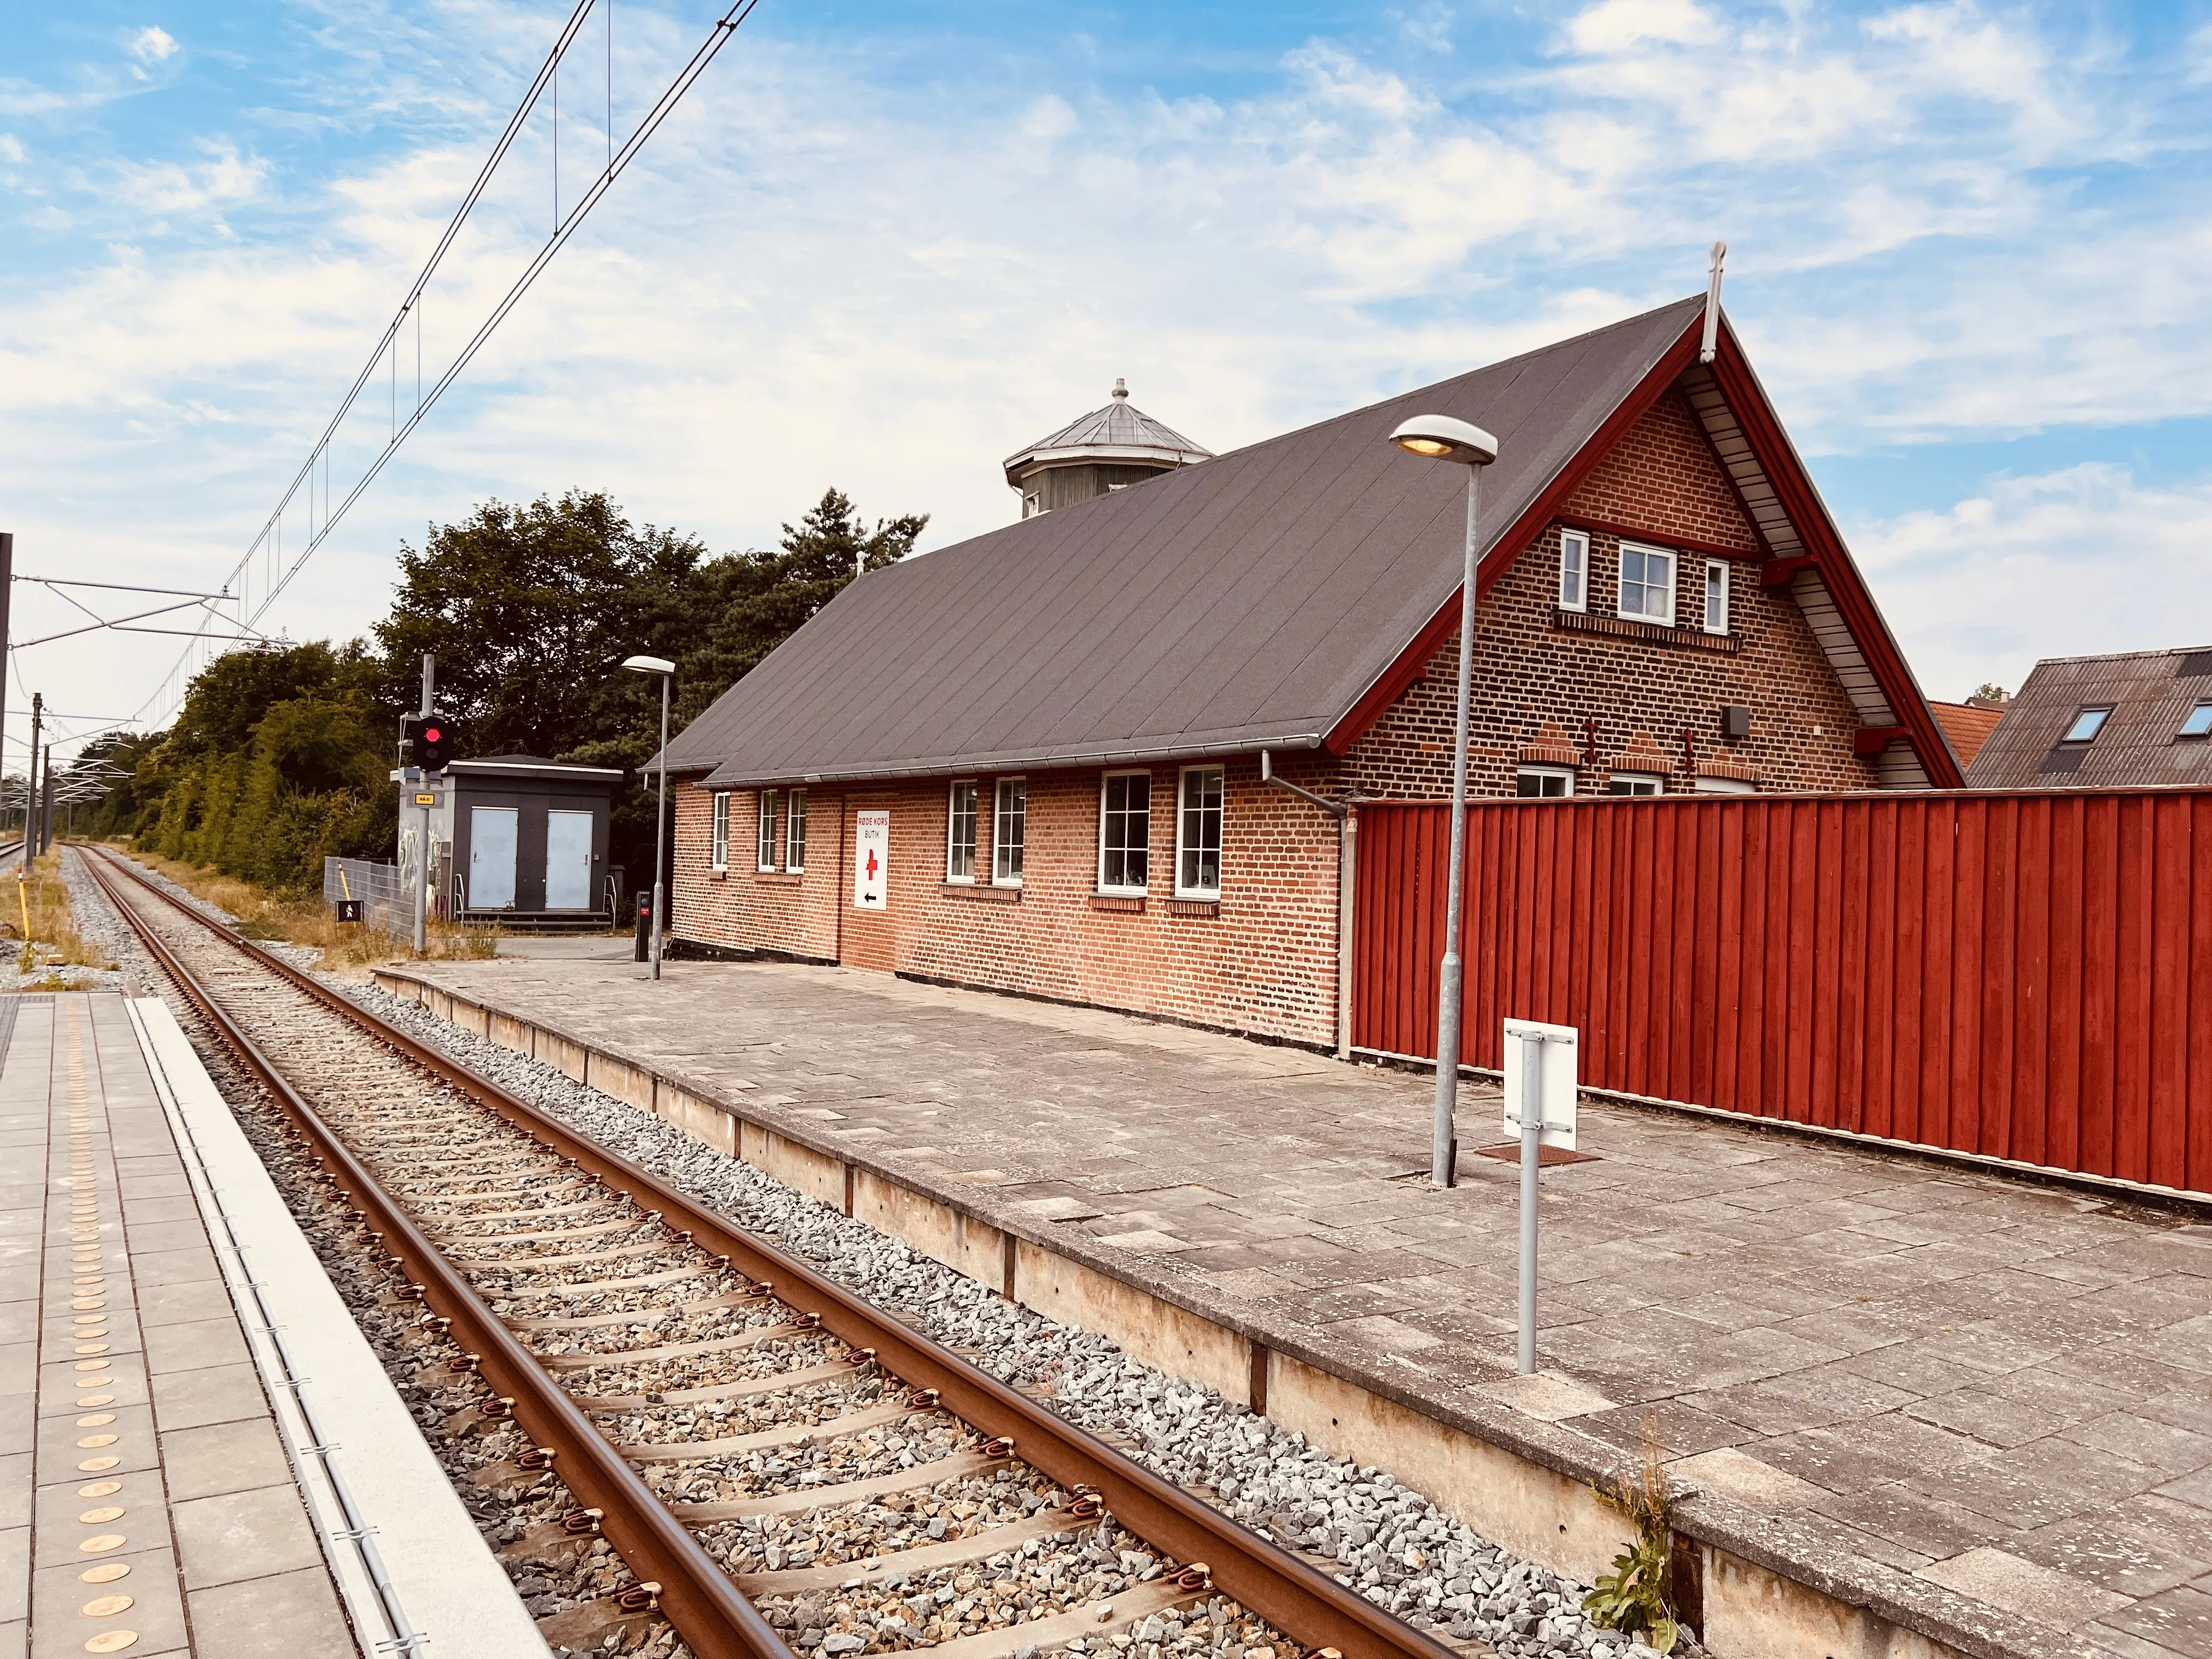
x: 269, y: 535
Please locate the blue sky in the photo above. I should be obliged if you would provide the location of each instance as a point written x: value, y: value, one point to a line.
x: 881, y: 247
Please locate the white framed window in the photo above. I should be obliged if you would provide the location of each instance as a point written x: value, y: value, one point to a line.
x: 960, y: 833
x: 1716, y: 596
x: 767, y: 860
x: 1544, y: 782
x: 1574, y: 570
x: 794, y: 832
x: 1647, y: 583
x: 1125, y: 832
x: 1032, y: 504
x: 719, y: 857
x: 2197, y: 723
x: 1725, y: 787
x: 1198, y: 833
x: 2086, y: 724
x: 1635, y: 783
x: 1010, y: 813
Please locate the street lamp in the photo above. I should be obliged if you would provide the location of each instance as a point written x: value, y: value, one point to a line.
x: 666, y: 670
x: 1439, y: 437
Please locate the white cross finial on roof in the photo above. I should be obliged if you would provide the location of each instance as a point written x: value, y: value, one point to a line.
x: 1121, y: 389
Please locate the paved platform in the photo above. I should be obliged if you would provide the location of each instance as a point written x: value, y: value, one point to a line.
x: 147, y: 1505
x: 1996, y: 1391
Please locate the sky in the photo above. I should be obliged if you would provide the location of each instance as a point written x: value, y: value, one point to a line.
x: 880, y: 246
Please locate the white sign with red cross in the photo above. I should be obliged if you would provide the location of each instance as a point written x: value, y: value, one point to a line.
x: 871, y: 857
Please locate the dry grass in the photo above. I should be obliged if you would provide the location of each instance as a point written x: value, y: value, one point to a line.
x: 53, y: 924
x: 309, y: 921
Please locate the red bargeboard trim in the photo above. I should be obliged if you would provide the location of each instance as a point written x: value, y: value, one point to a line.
x: 1778, y: 458
x: 1406, y: 667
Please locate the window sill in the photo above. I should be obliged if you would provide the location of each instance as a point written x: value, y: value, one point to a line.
x: 1648, y: 633
x: 779, y: 877
x: 981, y: 895
x: 1126, y: 904
x: 1193, y: 907
x: 722, y: 874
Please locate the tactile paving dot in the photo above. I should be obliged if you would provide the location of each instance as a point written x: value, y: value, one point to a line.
x: 88, y: 1441
x: 111, y: 1641
x: 99, y: 1489
x: 101, y: 1517
x: 106, y: 1573
x: 94, y: 1465
x: 106, y: 1607
x: 97, y: 1399
x: 101, y: 1543
x: 96, y: 1420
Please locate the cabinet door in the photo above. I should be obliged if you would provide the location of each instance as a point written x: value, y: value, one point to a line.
x: 491, y: 858
x: 568, y: 860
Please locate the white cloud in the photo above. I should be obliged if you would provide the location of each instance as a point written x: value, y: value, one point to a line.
x: 153, y: 44
x: 1615, y: 26
x: 2064, y: 564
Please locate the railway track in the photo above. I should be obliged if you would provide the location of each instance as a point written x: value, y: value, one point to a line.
x: 746, y: 1433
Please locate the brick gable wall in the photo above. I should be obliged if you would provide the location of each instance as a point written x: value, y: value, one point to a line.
x: 1538, y: 682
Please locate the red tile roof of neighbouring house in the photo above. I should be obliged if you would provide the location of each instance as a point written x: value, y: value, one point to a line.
x: 1968, y: 725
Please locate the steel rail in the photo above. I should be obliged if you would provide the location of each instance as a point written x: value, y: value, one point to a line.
x: 1302, y: 1602
x: 695, y: 1593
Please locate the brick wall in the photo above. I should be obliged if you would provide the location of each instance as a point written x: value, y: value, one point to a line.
x: 1263, y: 959
x: 1536, y: 682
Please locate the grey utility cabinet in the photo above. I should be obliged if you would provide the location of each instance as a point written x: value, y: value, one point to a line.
x: 527, y: 840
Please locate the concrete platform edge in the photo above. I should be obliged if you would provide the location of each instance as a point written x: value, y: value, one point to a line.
x: 1771, y: 1584
x: 445, y: 1578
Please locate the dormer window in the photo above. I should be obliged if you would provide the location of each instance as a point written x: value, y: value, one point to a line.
x: 2086, y: 724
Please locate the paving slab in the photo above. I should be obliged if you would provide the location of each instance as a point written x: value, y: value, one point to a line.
x: 1958, y: 1376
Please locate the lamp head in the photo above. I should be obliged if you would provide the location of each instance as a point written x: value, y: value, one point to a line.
x: 1439, y: 437
x: 649, y: 665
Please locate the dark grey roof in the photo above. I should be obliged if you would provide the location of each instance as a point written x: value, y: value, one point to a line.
x: 1119, y: 432
x: 2150, y: 693
x: 1248, y: 602
x: 531, y: 763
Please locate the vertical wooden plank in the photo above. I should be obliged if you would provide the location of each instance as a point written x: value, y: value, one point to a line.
x: 2167, y: 1018
x: 1879, y: 1086
x: 2063, y: 1108
x: 2101, y: 926
x: 1727, y: 954
x: 2030, y: 981
x: 1853, y: 880
x: 1963, y: 981
x: 1826, y: 961
x: 1705, y: 973
x: 1993, y: 1083
x: 2197, y: 1131
x: 1908, y: 1064
x: 1797, y: 965
x: 2132, y: 1035
x: 1760, y: 1096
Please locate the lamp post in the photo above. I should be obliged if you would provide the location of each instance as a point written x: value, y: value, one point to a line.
x: 1439, y: 437
x: 666, y: 670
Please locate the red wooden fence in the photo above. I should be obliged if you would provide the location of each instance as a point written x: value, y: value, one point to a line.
x: 2024, y: 977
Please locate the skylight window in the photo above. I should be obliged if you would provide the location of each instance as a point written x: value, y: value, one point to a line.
x: 2086, y: 724
x: 2199, y: 723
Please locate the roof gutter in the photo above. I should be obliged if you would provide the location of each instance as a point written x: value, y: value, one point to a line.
x: 952, y: 768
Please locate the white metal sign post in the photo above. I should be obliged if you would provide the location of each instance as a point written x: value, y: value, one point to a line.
x: 1540, y: 1072
x: 872, y: 853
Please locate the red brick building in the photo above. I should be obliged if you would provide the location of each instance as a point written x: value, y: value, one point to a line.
x: 1066, y: 758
